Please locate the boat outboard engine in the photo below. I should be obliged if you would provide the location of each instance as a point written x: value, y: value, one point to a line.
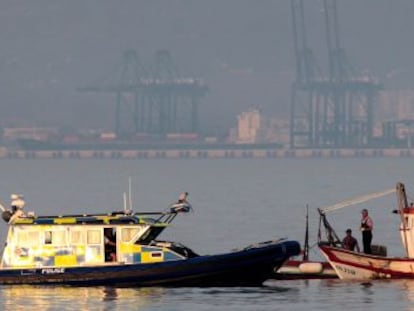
x: 6, y: 215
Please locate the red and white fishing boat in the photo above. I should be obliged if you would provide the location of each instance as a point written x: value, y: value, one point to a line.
x: 359, y: 266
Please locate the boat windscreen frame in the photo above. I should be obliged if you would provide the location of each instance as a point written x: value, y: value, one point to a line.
x: 151, y: 234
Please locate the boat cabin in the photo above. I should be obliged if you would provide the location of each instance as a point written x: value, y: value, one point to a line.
x: 81, y: 240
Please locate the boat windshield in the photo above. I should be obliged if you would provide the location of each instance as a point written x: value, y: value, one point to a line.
x: 149, y: 235
x: 131, y: 234
x: 176, y: 247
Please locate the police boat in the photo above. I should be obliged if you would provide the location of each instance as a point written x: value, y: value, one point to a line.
x: 121, y: 249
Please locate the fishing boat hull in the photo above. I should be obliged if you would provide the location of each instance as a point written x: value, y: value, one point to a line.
x: 351, y: 265
x: 305, y: 270
x: 250, y: 266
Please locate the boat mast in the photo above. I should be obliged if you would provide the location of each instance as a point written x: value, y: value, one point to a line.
x: 306, y: 243
x: 403, y: 203
x: 401, y: 196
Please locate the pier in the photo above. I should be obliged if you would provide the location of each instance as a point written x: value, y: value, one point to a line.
x: 207, y: 154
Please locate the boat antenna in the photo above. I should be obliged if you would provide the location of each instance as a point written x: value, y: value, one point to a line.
x: 306, y: 244
x: 2, y: 207
x: 129, y: 193
x: 125, y: 203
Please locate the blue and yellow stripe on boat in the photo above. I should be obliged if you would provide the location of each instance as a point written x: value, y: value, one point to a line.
x: 87, y: 219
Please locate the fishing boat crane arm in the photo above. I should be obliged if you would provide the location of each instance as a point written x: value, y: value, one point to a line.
x: 356, y: 200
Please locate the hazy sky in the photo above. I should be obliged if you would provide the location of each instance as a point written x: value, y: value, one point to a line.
x: 242, y: 48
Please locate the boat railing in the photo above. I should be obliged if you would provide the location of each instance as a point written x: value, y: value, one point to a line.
x: 115, y: 217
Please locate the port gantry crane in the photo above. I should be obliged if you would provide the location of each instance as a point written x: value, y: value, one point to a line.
x: 151, y: 100
x: 333, y: 111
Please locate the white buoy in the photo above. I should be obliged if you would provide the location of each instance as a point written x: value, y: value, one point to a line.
x: 311, y: 267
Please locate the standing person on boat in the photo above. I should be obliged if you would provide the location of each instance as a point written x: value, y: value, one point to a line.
x: 110, y: 245
x: 349, y: 242
x: 17, y: 204
x: 367, y: 225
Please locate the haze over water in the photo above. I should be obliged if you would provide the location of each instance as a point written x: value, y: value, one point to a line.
x: 236, y: 203
x: 242, y: 49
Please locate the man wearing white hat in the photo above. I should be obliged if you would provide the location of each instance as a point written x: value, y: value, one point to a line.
x: 17, y: 202
x: 17, y: 205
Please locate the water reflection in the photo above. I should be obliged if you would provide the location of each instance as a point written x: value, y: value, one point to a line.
x: 110, y: 294
x: 368, y: 292
x: 378, y: 295
x: 407, y: 287
x: 19, y: 298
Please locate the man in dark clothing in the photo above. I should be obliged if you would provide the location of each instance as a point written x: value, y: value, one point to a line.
x: 367, y: 225
x: 349, y: 242
x: 110, y: 244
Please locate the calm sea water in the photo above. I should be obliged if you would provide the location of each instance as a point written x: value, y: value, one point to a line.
x: 236, y: 202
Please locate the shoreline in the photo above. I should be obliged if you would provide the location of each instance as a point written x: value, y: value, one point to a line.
x: 207, y: 154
